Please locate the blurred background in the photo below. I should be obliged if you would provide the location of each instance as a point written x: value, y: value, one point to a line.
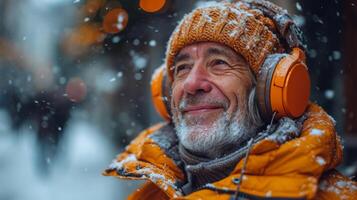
x: 75, y: 86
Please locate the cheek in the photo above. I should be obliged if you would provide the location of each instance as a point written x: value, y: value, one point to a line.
x: 177, y: 91
x: 236, y: 90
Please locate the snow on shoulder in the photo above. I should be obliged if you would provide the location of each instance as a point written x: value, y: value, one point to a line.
x: 119, y: 165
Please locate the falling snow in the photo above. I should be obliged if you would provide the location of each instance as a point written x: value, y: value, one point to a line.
x: 115, y: 39
x: 136, y: 42
x: 316, y: 132
x: 120, y: 74
x: 320, y: 160
x: 336, y: 55
x: 138, y: 76
x: 121, y: 20
x: 139, y: 61
x: 152, y: 43
x: 329, y: 94
x: 298, y: 6
x: 107, y: 81
x: 317, y: 19
x: 62, y: 80
x: 312, y: 53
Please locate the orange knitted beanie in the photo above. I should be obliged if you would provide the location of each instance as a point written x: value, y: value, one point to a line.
x: 247, y: 31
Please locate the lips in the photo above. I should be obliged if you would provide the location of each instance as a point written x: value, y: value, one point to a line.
x: 199, y: 109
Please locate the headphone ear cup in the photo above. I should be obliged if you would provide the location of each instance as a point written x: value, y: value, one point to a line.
x: 283, y: 85
x: 160, y: 92
x: 290, y: 88
x: 264, y: 81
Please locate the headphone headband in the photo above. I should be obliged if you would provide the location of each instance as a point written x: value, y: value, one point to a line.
x: 285, y: 25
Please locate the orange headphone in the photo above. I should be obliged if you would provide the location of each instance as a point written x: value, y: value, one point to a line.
x: 160, y: 92
x: 283, y: 83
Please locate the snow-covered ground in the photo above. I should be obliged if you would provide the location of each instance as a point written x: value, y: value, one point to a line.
x: 74, y: 174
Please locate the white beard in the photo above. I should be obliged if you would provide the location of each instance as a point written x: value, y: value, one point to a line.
x: 213, y: 140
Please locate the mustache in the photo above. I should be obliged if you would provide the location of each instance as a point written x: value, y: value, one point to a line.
x: 199, y: 99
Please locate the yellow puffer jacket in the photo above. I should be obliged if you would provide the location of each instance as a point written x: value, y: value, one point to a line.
x: 302, y: 168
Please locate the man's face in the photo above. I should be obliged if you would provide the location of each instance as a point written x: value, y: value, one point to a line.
x: 210, y: 97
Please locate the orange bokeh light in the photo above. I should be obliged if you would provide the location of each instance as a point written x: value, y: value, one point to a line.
x: 115, y: 20
x: 152, y: 5
x: 81, y: 38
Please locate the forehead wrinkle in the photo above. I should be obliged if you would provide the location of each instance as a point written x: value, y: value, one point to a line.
x: 223, y: 52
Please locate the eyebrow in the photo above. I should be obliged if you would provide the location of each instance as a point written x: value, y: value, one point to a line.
x: 181, y: 57
x: 223, y: 52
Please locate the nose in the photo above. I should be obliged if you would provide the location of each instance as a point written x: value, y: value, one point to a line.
x: 196, y: 81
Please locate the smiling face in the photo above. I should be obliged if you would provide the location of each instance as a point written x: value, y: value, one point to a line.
x: 210, y: 98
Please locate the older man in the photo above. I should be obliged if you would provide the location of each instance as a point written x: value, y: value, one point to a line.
x: 217, y: 144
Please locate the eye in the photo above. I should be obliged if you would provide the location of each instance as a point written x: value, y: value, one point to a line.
x: 220, y: 63
x: 182, y: 69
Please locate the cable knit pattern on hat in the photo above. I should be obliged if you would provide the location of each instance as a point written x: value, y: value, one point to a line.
x: 246, y: 31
